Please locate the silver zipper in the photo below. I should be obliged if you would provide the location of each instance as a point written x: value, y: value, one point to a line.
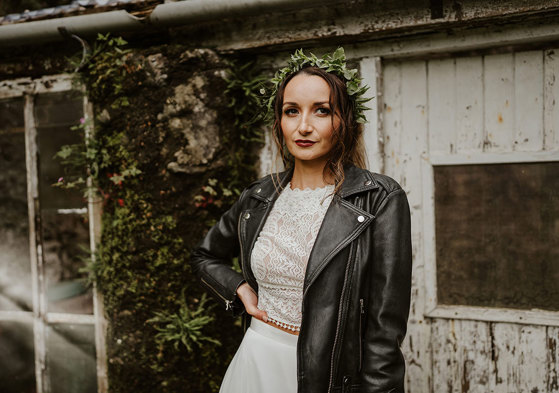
x: 361, y: 305
x: 241, y: 245
x: 340, y: 312
x: 339, y: 322
x: 227, y: 302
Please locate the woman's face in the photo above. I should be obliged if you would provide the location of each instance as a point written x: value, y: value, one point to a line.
x: 306, y: 120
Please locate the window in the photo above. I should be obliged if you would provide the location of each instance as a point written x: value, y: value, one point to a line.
x: 497, y: 235
x: 48, y: 318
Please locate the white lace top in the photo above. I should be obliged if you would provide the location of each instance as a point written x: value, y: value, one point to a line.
x: 280, y: 254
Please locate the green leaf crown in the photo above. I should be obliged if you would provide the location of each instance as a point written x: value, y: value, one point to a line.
x: 334, y: 63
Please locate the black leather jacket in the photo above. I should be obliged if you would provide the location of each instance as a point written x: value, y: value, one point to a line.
x: 356, y: 292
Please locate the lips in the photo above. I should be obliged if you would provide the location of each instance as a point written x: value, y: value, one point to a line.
x: 304, y: 143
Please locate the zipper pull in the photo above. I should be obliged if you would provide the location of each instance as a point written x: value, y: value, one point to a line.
x: 228, y: 305
x: 362, y: 306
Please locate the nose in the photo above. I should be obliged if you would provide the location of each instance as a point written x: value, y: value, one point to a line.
x: 305, y: 127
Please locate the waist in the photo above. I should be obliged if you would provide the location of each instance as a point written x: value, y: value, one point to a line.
x: 274, y: 332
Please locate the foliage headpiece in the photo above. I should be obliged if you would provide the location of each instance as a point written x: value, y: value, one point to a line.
x: 334, y: 63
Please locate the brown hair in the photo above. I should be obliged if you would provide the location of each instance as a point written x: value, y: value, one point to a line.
x: 347, y: 138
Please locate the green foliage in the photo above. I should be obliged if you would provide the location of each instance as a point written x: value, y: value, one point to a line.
x: 163, y: 333
x: 184, y: 327
x: 335, y: 63
x: 106, y: 70
x: 244, y: 82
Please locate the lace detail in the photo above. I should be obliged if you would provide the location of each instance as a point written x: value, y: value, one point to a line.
x: 281, y: 252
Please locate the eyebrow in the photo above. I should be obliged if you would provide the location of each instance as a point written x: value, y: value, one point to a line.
x: 316, y: 103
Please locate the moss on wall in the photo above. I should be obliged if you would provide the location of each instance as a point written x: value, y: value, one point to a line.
x: 165, y: 175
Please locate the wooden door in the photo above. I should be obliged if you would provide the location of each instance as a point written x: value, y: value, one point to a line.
x: 479, y: 111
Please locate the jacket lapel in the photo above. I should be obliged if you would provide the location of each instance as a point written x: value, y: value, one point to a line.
x: 252, y: 220
x: 342, y: 223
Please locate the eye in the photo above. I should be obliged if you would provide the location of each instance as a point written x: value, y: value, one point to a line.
x: 323, y: 111
x: 290, y: 111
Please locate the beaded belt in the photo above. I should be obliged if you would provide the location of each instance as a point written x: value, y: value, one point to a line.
x: 284, y: 325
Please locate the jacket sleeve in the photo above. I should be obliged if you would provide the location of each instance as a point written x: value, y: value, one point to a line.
x: 211, y: 260
x: 389, y: 297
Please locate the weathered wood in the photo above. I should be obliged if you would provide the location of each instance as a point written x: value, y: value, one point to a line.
x: 493, y: 158
x: 473, y: 108
x: 524, y: 317
x: 551, y: 99
x: 528, y: 108
x: 405, y: 107
x: 442, y: 105
x: 392, y: 82
x: 499, y: 102
x: 446, y: 356
x: 519, y: 358
x: 469, y: 104
x: 552, y: 350
x: 36, y: 254
x: 475, y: 346
x: 371, y: 72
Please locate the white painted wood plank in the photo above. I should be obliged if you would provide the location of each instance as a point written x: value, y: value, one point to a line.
x: 373, y: 138
x: 524, y: 317
x: 414, y: 130
x: 447, y: 358
x: 528, y: 110
x: 520, y: 358
x: 412, y: 144
x: 462, y: 356
x: 505, y: 339
x: 551, y: 99
x: 532, y: 365
x: 493, y: 158
x: 392, y: 88
x: 498, y: 90
x: 475, y: 344
x: 552, y: 360
x: 469, y: 104
x: 442, y: 105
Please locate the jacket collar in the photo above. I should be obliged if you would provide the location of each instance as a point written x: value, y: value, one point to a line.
x: 342, y: 223
x: 356, y: 180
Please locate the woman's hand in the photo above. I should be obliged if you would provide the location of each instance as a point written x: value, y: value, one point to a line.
x: 250, y: 301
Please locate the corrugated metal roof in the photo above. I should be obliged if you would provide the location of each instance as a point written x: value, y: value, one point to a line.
x: 79, y: 7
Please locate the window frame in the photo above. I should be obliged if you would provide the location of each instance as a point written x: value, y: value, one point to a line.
x: 40, y: 317
x: 475, y: 313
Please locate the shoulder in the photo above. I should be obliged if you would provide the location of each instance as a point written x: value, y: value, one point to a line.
x: 386, y: 183
x: 356, y: 176
x: 266, y: 188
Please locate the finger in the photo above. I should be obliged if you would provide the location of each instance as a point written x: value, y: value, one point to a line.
x: 257, y: 313
x: 262, y: 315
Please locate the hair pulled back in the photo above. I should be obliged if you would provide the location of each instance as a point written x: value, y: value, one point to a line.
x: 346, y: 138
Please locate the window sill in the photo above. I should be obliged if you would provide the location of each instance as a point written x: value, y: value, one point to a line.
x: 490, y: 314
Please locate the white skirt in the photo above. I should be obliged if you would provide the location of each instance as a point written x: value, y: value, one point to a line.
x: 266, y: 362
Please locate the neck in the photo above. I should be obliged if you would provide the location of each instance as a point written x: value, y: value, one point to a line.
x: 310, y: 175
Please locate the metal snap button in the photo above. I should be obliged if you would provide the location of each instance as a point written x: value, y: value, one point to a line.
x: 368, y: 183
x: 247, y: 216
x: 360, y: 218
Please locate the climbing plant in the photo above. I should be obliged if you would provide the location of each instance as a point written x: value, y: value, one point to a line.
x: 163, y: 334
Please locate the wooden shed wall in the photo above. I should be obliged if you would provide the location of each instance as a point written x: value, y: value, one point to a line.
x: 487, y: 108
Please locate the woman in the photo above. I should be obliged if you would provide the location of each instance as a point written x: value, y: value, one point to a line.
x: 324, y: 247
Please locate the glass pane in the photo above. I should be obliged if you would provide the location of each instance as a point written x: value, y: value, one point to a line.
x: 71, y: 363
x: 15, y: 265
x: 65, y: 245
x: 55, y: 114
x: 17, y: 358
x: 497, y: 233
